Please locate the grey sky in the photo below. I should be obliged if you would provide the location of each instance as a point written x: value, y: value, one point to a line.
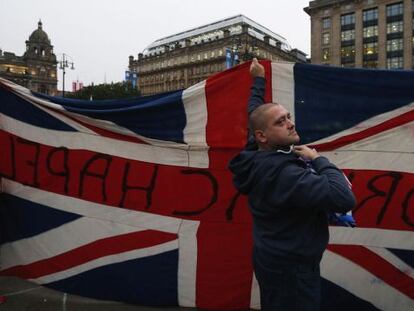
x: 100, y: 34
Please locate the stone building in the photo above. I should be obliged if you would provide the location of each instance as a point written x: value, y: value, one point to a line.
x: 36, y: 69
x: 362, y: 33
x: 183, y: 59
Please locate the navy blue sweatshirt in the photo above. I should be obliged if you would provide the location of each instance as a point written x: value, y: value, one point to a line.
x: 289, y: 203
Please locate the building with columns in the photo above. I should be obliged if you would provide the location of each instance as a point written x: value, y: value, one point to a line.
x: 362, y: 33
x: 36, y: 69
x: 183, y: 59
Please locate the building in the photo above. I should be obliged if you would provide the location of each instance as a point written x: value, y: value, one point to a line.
x: 181, y: 60
x: 36, y: 69
x: 362, y: 33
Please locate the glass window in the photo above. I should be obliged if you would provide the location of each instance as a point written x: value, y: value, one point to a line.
x: 394, y: 45
x: 352, y: 65
x: 370, y: 48
x: 326, y: 38
x: 326, y: 54
x: 369, y: 15
x: 370, y: 64
x: 395, y: 9
x: 348, y: 35
x: 348, y: 19
x: 395, y: 27
x: 370, y: 31
x: 395, y: 63
x: 348, y: 51
x: 326, y: 22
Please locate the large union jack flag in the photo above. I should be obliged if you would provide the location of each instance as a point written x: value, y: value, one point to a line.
x: 131, y: 200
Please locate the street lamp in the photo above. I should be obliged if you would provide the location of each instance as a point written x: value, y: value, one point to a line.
x: 63, y: 64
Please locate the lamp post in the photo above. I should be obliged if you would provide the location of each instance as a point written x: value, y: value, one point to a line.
x: 63, y: 64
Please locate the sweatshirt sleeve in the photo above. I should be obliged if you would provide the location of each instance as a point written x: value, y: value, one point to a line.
x: 327, y: 189
x: 257, y: 92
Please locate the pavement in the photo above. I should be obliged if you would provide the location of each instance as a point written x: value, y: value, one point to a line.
x: 20, y: 295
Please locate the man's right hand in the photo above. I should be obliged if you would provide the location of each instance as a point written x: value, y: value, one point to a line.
x: 256, y: 69
x: 306, y: 152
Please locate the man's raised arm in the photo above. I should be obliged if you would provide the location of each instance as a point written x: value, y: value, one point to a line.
x: 257, y: 90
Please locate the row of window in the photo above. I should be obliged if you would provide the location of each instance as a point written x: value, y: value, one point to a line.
x: 368, y: 49
x: 368, y: 15
x: 176, y: 75
x: 167, y: 86
x: 367, y: 32
x: 198, y: 57
x: 181, y: 60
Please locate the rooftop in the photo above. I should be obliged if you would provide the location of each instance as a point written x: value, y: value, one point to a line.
x: 214, y: 31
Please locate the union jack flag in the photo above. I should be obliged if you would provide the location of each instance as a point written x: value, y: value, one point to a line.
x: 131, y: 200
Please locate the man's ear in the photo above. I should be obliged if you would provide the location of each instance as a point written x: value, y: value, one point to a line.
x: 260, y: 136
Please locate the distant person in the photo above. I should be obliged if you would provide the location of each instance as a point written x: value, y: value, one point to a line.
x: 291, y: 189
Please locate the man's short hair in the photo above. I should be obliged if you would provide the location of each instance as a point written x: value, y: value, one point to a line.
x: 257, y: 118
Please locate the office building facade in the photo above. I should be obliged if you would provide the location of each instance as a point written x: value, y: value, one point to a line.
x: 362, y: 33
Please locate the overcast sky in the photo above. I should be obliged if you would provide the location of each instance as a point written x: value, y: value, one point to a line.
x: 100, y: 34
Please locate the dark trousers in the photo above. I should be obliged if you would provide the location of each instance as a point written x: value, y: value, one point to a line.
x: 293, y: 287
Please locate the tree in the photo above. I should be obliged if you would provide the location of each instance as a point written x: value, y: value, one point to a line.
x: 106, y: 91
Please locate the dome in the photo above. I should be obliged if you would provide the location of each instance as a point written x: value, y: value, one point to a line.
x: 39, y: 35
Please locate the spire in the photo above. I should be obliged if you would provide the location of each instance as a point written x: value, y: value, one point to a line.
x: 39, y: 24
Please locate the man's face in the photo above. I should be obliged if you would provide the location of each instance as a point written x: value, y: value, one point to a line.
x: 279, y: 129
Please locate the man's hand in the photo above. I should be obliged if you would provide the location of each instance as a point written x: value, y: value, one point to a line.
x: 256, y: 69
x: 306, y: 152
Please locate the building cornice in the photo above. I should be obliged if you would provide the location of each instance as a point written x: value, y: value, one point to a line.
x: 317, y: 5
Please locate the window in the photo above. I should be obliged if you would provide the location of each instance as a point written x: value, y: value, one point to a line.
x: 348, y: 35
x: 395, y: 27
x: 348, y: 51
x: 371, y: 31
x: 326, y: 54
x: 395, y: 63
x: 348, y: 19
x: 326, y: 23
x: 370, y: 64
x: 326, y: 38
x: 394, y: 45
x: 369, y: 15
x: 349, y: 64
x: 395, y: 9
x: 371, y: 48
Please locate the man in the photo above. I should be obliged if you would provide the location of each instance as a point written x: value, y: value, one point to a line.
x: 291, y: 189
